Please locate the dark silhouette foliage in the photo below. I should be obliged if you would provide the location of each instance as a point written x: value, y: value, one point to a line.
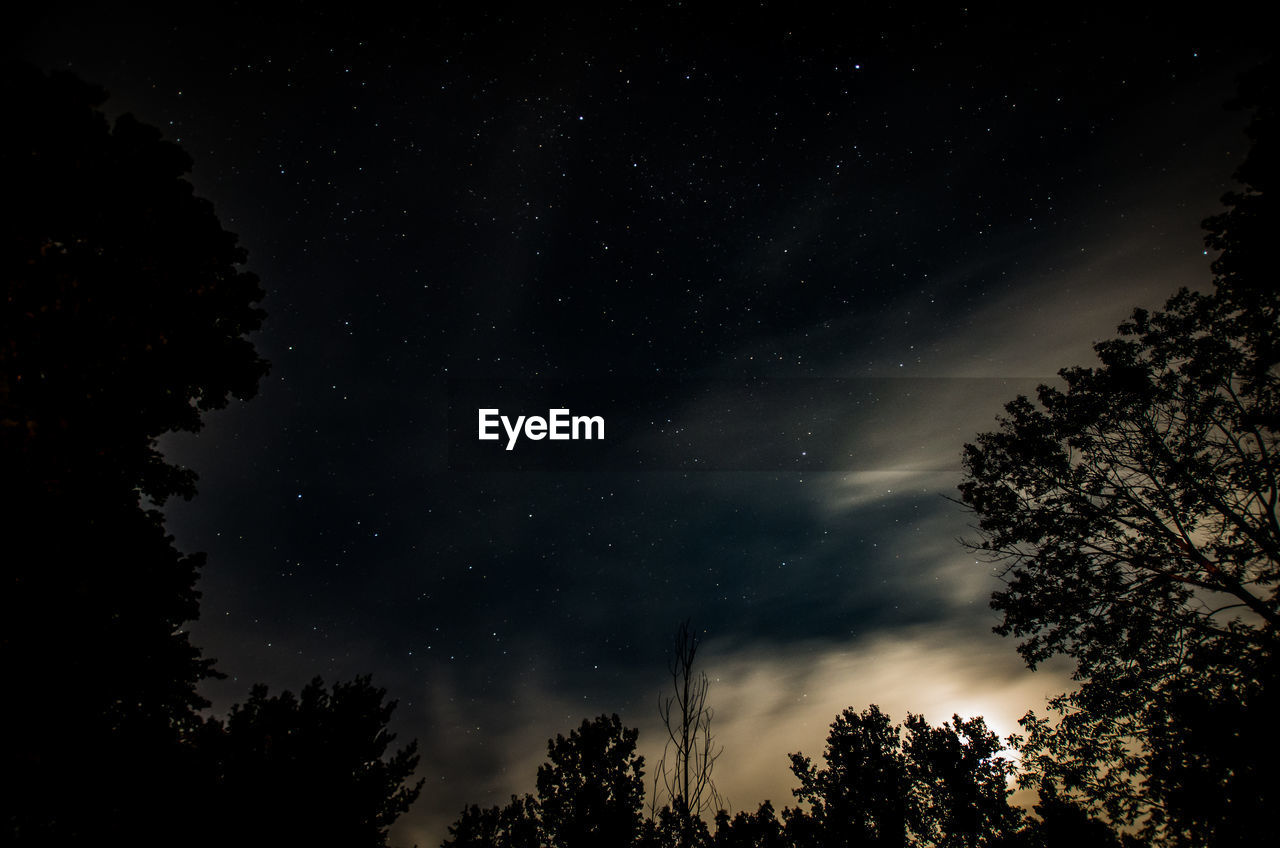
x: 760, y: 829
x: 674, y: 826
x: 590, y: 795
x: 860, y: 795
x: 591, y: 789
x: 879, y: 784
x: 1063, y: 824
x: 307, y: 769
x: 513, y: 826
x: 944, y: 786
x: 124, y: 317
x: 958, y: 772
x: 126, y: 311
x: 1134, y: 510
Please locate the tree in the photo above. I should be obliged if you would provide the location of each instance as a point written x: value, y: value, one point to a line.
x: 124, y: 317
x: 1063, y: 824
x: 944, y: 786
x: 758, y: 830
x: 689, y: 754
x: 591, y: 789
x: 590, y: 795
x: 961, y: 781
x: 1133, y: 511
x: 862, y: 795
x: 674, y: 826
x: 306, y: 769
x: 513, y: 826
x: 126, y: 310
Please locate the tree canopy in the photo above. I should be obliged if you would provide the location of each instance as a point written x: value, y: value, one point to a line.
x: 590, y: 795
x: 311, y: 768
x: 883, y: 784
x: 591, y: 789
x: 125, y: 316
x: 127, y: 309
x: 1133, y: 509
x: 878, y: 784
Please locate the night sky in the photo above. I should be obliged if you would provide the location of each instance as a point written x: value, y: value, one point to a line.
x: 799, y: 259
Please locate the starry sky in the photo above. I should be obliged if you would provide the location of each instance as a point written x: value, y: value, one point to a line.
x: 796, y: 259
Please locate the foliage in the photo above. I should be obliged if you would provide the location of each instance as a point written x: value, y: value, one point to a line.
x: 590, y: 795
x: 880, y: 784
x: 674, y: 826
x: 1063, y: 824
x: 940, y: 786
x: 591, y: 789
x: 513, y: 826
x: 311, y: 768
x: 760, y: 829
x: 861, y: 796
x: 1134, y: 511
x: 126, y: 311
x: 959, y: 771
x: 124, y: 317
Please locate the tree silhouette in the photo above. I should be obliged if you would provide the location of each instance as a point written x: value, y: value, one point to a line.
x: 861, y: 795
x: 1134, y: 511
x: 590, y: 795
x: 1063, y: 824
x: 944, y: 786
x: 310, y: 769
x: 674, y: 826
x: 683, y: 776
x: 591, y: 789
x: 124, y: 317
x: 757, y: 830
x: 961, y: 783
x: 513, y: 826
x: 126, y: 313
x: 476, y: 827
